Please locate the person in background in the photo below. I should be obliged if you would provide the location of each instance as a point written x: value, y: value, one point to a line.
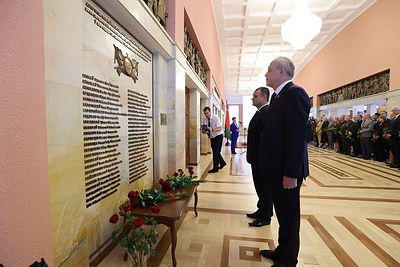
x: 324, y: 132
x: 318, y: 131
x: 393, y: 137
x: 367, y: 127
x: 264, y: 204
x: 355, y: 138
x: 283, y: 158
x: 329, y: 132
x: 213, y: 127
x: 234, y: 128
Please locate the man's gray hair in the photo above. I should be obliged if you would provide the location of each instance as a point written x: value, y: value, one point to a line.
x: 286, y: 64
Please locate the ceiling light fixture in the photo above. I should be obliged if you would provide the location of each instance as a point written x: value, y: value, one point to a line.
x: 301, y: 28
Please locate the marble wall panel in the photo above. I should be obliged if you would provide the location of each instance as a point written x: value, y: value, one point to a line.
x: 194, y: 140
x: 76, y: 46
x: 160, y: 66
x: 69, y: 228
x: 176, y: 111
x: 63, y: 50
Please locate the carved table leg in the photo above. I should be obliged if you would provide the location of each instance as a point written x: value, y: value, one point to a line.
x: 196, y: 199
x: 173, y: 242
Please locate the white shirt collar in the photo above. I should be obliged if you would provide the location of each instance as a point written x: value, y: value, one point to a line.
x: 280, y: 87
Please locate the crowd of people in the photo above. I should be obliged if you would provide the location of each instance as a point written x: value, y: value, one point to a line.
x: 371, y: 137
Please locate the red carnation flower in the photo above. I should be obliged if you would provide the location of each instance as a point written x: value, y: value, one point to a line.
x: 138, y: 222
x: 191, y: 172
x: 114, y: 218
x: 128, y: 208
x: 135, y: 201
x: 167, y: 186
x: 133, y: 194
x: 161, y: 181
x: 190, y: 168
x: 175, y: 174
x: 155, y: 209
x: 386, y: 125
x: 180, y: 170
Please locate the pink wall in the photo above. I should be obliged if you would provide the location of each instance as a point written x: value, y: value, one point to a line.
x: 369, y: 44
x: 201, y: 16
x: 25, y: 230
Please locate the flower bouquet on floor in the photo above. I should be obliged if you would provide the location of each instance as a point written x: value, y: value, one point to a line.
x: 137, y: 242
x: 179, y: 180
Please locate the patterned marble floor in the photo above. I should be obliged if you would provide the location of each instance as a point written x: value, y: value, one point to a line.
x: 350, y: 217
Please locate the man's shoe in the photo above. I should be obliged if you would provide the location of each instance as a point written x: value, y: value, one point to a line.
x: 269, y: 254
x: 212, y: 171
x: 259, y: 222
x: 394, y: 166
x: 222, y: 165
x: 278, y: 264
x: 253, y: 215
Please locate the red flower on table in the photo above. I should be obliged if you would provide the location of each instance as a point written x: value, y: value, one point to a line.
x: 167, y: 186
x: 135, y: 201
x: 114, y: 218
x: 133, y: 194
x: 175, y: 174
x: 128, y: 208
x: 161, y: 181
x: 190, y: 168
x: 138, y: 222
x: 155, y: 209
x: 180, y: 170
x: 191, y: 172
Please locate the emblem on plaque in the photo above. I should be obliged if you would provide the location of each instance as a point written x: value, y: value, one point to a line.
x: 127, y: 66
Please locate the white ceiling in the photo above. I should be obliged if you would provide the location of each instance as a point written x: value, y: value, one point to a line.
x: 249, y: 33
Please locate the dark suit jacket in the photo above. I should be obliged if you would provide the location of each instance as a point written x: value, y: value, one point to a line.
x: 283, y: 140
x: 253, y: 135
x: 395, y: 128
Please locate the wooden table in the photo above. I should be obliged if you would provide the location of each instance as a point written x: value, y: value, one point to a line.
x: 170, y: 212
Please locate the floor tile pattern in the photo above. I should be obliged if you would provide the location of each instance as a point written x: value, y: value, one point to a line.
x: 350, y: 217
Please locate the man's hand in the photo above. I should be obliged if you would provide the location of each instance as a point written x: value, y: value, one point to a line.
x: 289, y: 183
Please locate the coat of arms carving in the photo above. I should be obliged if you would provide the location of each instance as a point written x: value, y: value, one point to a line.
x: 126, y: 65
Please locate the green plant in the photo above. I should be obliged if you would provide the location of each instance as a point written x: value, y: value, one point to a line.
x: 137, y: 242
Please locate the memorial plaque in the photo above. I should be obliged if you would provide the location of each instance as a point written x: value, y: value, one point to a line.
x: 116, y: 107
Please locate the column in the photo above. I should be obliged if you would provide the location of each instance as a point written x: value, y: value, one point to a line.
x: 194, y: 132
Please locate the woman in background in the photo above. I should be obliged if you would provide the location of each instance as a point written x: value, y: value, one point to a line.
x: 234, y: 135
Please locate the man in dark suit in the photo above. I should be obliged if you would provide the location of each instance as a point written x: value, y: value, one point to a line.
x: 393, y: 137
x: 355, y: 140
x: 264, y: 212
x: 282, y: 153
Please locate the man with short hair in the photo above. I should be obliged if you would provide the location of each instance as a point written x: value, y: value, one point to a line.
x: 264, y: 205
x: 282, y: 153
x: 394, y: 138
x: 355, y: 140
x: 213, y: 127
